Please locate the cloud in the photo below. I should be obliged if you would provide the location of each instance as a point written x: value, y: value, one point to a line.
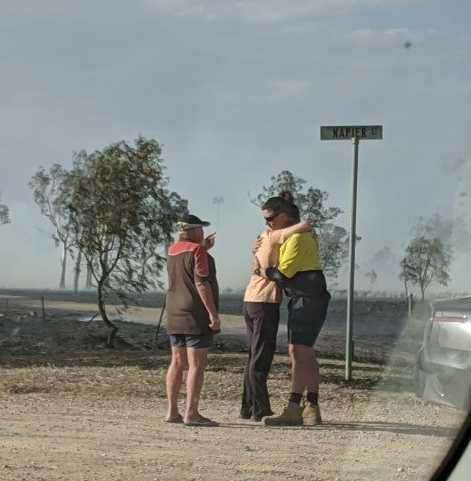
x: 267, y: 11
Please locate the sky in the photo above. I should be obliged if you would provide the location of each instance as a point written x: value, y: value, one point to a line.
x: 236, y: 91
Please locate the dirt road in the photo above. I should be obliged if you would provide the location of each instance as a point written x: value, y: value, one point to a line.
x: 72, y: 410
x: 73, y: 437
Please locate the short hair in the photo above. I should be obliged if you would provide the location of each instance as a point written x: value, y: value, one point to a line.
x: 187, y: 235
x: 283, y: 203
x: 276, y: 204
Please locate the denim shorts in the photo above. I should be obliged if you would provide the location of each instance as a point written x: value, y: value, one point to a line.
x: 187, y: 340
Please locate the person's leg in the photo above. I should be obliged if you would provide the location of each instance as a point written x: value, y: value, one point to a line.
x: 246, y: 409
x: 292, y: 414
x: 315, y: 311
x: 313, y: 380
x: 197, y: 360
x: 265, y: 320
x: 174, y: 379
x: 305, y: 370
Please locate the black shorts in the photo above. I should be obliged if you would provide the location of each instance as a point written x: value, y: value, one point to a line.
x: 306, y: 316
x: 194, y: 341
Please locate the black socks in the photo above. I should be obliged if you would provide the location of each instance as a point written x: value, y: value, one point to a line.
x: 312, y: 398
x: 295, y: 398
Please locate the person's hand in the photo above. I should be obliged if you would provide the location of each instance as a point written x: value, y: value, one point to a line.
x: 215, y: 324
x: 256, y: 245
x: 209, y: 241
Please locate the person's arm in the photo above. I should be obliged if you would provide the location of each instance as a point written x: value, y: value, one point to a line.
x: 288, y: 263
x: 255, y: 267
x: 274, y: 274
x: 209, y: 241
x: 204, y: 287
x: 206, y: 295
x: 262, y: 256
x: 281, y: 235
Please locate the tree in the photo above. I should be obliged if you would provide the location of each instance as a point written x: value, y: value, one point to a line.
x: 372, y: 277
x: 426, y: 260
x: 4, y: 214
x: 50, y: 196
x: 122, y: 214
x: 312, y: 205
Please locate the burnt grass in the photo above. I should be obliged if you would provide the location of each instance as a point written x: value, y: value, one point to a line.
x: 55, y: 351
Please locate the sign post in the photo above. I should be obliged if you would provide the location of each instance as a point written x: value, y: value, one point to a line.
x: 354, y: 133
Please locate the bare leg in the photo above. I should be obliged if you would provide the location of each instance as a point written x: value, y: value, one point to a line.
x: 197, y: 360
x: 314, y: 377
x: 305, y: 369
x: 174, y: 379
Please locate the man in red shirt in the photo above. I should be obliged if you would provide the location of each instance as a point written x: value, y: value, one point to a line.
x: 192, y: 317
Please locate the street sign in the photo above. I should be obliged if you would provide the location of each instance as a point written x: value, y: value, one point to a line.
x: 348, y: 132
x: 355, y: 133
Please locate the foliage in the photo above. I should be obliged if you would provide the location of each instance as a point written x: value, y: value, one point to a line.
x: 4, y: 214
x: 426, y: 260
x: 52, y: 200
x: 122, y: 215
x: 372, y: 277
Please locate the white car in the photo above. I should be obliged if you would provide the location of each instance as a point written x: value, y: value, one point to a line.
x: 443, y: 372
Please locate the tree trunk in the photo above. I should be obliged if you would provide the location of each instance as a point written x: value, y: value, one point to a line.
x: 422, y: 290
x: 63, y: 266
x: 88, y: 282
x: 102, y: 309
x: 77, y: 271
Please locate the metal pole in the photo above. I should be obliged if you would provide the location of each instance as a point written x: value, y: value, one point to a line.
x: 351, y: 284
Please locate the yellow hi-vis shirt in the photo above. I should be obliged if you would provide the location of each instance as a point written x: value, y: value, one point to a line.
x: 300, y: 252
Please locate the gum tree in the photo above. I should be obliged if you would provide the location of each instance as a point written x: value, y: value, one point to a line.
x: 48, y: 194
x: 426, y: 261
x: 122, y: 216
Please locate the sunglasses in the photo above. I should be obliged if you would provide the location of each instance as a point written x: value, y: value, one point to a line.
x: 272, y: 217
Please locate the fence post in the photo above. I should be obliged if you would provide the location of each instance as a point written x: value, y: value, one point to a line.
x: 43, y: 309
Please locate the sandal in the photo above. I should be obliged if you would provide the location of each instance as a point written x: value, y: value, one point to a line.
x: 202, y: 422
x: 174, y: 420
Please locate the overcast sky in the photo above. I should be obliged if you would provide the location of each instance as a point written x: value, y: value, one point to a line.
x: 236, y: 91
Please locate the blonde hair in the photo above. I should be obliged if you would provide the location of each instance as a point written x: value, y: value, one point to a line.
x: 187, y: 235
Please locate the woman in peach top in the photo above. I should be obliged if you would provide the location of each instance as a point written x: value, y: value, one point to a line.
x: 262, y: 308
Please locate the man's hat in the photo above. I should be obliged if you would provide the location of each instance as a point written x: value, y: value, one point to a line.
x: 191, y: 221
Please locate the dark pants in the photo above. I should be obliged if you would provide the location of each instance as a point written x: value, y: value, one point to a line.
x: 307, y: 308
x: 262, y: 319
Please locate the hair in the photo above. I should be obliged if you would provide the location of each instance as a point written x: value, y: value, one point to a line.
x: 292, y: 208
x: 276, y: 204
x: 283, y: 203
x: 187, y: 235
x: 287, y: 195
